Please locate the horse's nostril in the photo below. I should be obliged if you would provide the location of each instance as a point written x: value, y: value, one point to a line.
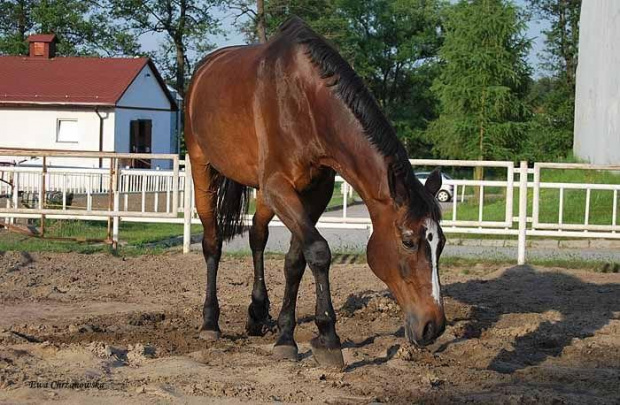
x: 442, y: 328
x: 429, y: 331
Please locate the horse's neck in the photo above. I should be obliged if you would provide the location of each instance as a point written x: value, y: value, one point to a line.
x: 363, y: 167
x: 349, y: 151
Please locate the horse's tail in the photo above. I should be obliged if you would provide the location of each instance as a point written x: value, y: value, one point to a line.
x: 232, y: 205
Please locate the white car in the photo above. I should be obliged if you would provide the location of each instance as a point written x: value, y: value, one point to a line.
x: 446, y: 192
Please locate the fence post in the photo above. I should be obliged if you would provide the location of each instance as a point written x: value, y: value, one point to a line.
x: 536, y: 196
x: 42, y: 196
x: 7, y: 220
x: 15, y: 195
x: 116, y: 203
x: 187, y: 205
x: 110, y: 238
x: 345, y: 190
x: 522, y: 212
x: 510, y: 180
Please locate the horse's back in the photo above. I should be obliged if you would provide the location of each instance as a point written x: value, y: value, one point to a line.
x: 250, y: 114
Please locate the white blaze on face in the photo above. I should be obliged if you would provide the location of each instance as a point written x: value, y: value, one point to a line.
x: 432, y: 236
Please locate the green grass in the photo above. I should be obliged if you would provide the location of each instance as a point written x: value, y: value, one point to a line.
x: 136, y: 238
x: 574, y: 200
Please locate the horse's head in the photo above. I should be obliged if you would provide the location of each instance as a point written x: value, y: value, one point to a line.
x: 404, y: 251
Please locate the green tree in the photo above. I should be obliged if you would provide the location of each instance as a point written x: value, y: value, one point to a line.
x: 551, y: 129
x: 82, y: 28
x: 392, y: 44
x: 15, y: 23
x: 254, y: 27
x: 265, y: 16
x: 187, y: 27
x: 562, y: 37
x: 483, y: 82
x: 553, y: 97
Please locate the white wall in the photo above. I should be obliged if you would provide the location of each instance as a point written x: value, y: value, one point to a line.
x: 144, y: 92
x: 597, y: 109
x: 36, y: 128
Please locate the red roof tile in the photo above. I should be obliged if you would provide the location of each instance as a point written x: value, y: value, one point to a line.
x: 69, y: 80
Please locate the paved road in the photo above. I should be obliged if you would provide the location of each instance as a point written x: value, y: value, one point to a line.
x: 354, y: 241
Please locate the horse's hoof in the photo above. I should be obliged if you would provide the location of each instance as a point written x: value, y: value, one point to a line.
x: 285, y: 352
x: 329, y: 358
x: 259, y: 321
x: 256, y: 328
x: 209, y: 335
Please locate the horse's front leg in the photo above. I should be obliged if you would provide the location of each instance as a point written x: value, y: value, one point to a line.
x: 300, y: 216
x: 294, y: 267
x: 326, y: 346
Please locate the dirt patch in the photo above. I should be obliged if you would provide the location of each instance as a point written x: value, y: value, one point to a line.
x: 103, y: 329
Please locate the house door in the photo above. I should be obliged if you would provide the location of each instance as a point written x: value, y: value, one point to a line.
x: 140, y: 142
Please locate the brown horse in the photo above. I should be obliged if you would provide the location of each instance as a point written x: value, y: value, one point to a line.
x: 283, y: 117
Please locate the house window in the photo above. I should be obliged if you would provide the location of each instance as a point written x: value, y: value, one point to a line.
x: 67, y: 131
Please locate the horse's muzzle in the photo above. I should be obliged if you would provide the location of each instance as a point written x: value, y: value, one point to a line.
x: 423, y: 333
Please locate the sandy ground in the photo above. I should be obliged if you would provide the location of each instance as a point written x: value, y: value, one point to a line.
x: 101, y: 329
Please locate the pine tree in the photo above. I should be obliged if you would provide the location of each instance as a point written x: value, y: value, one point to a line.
x: 483, y: 82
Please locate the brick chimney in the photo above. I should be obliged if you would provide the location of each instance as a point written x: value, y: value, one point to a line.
x: 42, y: 46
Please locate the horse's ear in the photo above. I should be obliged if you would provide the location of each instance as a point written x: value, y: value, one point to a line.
x: 433, y: 182
x: 398, y: 188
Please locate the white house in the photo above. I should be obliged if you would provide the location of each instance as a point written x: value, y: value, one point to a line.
x: 82, y: 103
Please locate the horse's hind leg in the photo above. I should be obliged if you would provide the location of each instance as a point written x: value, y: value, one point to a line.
x: 258, y: 312
x: 206, y: 202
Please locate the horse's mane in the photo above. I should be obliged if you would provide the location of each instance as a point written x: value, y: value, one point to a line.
x: 350, y: 88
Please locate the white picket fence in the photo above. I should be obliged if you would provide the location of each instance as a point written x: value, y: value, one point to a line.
x: 84, y: 180
x: 149, y: 189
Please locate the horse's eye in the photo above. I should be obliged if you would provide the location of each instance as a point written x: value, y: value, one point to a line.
x: 410, y: 244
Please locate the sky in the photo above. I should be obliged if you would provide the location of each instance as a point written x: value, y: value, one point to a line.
x: 232, y: 36
x: 150, y: 41
x: 534, y: 32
